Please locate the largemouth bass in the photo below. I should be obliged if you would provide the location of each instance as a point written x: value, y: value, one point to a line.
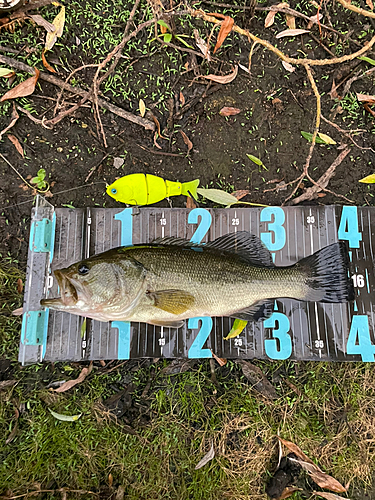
x: 170, y: 280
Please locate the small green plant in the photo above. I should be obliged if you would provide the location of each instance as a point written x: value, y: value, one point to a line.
x: 167, y: 35
x: 39, y: 179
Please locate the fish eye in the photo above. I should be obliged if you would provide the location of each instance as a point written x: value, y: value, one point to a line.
x: 83, y: 269
x: 113, y: 190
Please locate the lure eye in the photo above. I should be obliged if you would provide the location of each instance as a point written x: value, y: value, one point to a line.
x: 113, y: 190
x: 83, y: 269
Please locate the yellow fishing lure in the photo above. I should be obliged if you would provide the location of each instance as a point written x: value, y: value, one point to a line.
x: 146, y: 189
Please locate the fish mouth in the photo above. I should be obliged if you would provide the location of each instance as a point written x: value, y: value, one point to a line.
x: 69, y: 293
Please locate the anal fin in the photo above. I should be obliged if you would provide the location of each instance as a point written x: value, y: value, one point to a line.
x: 172, y: 301
x: 262, y: 309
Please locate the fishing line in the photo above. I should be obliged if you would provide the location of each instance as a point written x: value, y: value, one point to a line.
x: 58, y: 192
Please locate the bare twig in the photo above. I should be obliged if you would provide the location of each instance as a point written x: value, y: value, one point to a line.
x: 147, y: 124
x: 358, y: 10
x: 323, y: 181
x: 348, y: 134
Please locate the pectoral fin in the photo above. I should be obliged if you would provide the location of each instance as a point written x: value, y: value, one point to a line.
x: 260, y: 310
x: 172, y: 301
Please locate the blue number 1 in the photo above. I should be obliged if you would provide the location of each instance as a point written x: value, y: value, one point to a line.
x: 126, y: 219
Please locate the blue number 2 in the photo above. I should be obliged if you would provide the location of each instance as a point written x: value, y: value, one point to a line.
x: 284, y: 350
x: 204, y: 225
x: 196, y: 350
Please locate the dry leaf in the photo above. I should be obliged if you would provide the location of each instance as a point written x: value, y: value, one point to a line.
x: 257, y: 379
x: 6, y: 73
x: 46, y: 63
x: 22, y: 89
x: 240, y: 193
x: 288, y: 66
x: 19, y: 286
x: 42, y: 22
x: 370, y: 4
x: 15, y: 117
x: 142, y: 107
x: 17, y: 144
x: 368, y: 99
x: 317, y: 475
x: 223, y: 79
x: 202, y: 45
x: 221, y: 361
x: 208, y: 456
x: 58, y: 23
x: 17, y: 312
x: 329, y: 496
x: 228, y: 111
x: 4, y: 384
x: 190, y: 203
x: 314, y: 20
x: 288, y: 492
x: 187, y: 141
x: 291, y: 33
x: 290, y: 21
x: 71, y: 383
x: 244, y: 68
x: 226, y: 28
x: 326, y: 138
x: 333, y: 92
x: 110, y: 480
x: 271, y: 15
x: 182, y: 99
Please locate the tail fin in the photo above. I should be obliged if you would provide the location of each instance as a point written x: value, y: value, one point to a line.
x: 190, y: 188
x: 327, y: 273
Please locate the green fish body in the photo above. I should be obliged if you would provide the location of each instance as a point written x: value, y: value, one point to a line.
x: 170, y: 280
x: 146, y: 189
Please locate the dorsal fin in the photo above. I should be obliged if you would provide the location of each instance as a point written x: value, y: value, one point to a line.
x: 246, y: 245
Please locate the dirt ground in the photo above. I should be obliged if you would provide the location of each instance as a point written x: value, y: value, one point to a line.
x: 275, y: 106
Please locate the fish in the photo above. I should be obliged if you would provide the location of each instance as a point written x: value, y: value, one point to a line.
x: 170, y: 280
x: 146, y: 189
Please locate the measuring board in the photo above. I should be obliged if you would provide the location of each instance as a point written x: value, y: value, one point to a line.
x: 296, y: 330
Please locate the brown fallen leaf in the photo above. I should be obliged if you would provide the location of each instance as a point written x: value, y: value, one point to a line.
x: 4, y: 384
x: 182, y: 99
x: 288, y: 492
x: 42, y: 22
x: 240, y: 193
x: 19, y: 285
x: 290, y: 21
x: 329, y: 496
x: 223, y: 79
x: 110, y: 480
x: 187, y: 141
x: 317, y: 475
x: 368, y: 99
x: 228, y: 111
x: 13, y: 139
x: 257, y: 379
x: 333, y: 92
x: 17, y: 312
x: 288, y: 66
x: 71, y: 383
x: 14, y: 117
x: 22, y: 89
x: 270, y: 19
x: 370, y: 4
x: 291, y: 33
x: 46, y: 64
x: 190, y: 203
x: 226, y: 28
x: 314, y: 20
x: 202, y: 45
x: 221, y: 361
x: 208, y: 456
